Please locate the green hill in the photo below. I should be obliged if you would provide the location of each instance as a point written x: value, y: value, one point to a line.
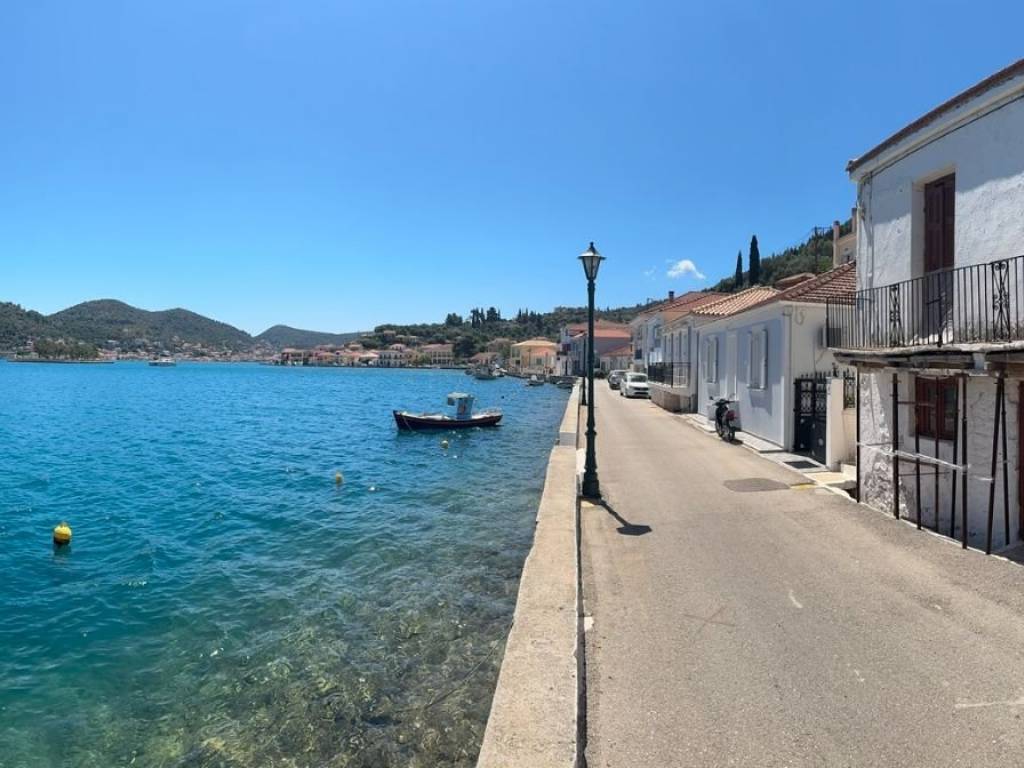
x: 18, y: 325
x: 814, y: 255
x: 98, y: 322
x: 281, y: 336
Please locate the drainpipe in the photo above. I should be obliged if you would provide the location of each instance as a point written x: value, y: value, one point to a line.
x: 787, y: 381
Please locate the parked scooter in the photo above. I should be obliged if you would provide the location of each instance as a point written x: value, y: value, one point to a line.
x: 725, y: 419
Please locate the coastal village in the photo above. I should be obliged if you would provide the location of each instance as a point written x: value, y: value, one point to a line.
x: 894, y: 379
x: 780, y: 520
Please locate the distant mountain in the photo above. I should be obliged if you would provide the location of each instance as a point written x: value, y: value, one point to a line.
x: 97, y: 322
x: 281, y: 336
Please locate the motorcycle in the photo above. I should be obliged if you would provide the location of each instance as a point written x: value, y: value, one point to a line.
x: 725, y: 419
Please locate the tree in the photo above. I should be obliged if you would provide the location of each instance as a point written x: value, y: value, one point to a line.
x: 738, y: 280
x: 493, y: 315
x: 754, y: 262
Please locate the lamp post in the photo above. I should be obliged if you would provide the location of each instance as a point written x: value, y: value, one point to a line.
x: 591, y: 260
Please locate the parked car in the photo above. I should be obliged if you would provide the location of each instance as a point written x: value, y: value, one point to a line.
x: 615, y: 378
x: 635, y: 385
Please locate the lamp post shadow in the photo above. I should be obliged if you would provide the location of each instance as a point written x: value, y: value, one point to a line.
x: 625, y: 528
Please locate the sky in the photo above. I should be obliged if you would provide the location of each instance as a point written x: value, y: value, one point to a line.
x: 338, y: 165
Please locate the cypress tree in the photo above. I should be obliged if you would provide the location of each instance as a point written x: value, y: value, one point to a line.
x: 737, y: 281
x: 754, y: 261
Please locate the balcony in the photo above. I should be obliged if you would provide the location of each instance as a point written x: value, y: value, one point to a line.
x: 974, y: 305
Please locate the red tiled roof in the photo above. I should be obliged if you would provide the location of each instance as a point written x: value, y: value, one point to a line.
x: 582, y: 327
x: 623, y: 351
x: 738, y: 302
x: 689, y: 299
x: 841, y: 281
x: 1007, y: 73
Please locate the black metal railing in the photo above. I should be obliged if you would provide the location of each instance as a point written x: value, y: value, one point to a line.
x: 981, y: 303
x: 849, y: 389
x: 672, y: 374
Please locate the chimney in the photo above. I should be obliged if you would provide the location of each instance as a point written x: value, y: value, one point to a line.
x: 671, y: 295
x: 835, y: 244
x: 853, y: 219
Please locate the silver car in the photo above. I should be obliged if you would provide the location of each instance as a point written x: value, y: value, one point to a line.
x: 635, y: 385
x: 615, y: 378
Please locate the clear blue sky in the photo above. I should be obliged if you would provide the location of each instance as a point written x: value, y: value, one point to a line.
x: 334, y: 165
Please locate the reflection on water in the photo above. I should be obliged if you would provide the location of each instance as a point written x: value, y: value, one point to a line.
x: 224, y: 603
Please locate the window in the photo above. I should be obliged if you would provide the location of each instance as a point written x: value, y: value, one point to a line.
x: 711, y: 361
x: 936, y: 398
x: 757, y: 371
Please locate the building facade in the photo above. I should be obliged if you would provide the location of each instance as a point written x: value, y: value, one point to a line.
x: 936, y: 329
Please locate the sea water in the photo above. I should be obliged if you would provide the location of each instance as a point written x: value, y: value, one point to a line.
x: 224, y: 602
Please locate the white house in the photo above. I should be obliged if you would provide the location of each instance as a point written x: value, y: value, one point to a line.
x: 766, y: 349
x: 936, y: 328
x: 647, y: 329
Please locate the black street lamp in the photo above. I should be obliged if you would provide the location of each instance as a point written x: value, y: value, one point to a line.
x: 591, y: 263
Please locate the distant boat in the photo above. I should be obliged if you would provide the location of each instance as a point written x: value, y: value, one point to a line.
x: 484, y: 373
x: 163, y: 362
x: 533, y: 381
x: 464, y: 417
x: 566, y: 384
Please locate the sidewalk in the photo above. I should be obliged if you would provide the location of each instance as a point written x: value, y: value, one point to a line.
x: 739, y: 616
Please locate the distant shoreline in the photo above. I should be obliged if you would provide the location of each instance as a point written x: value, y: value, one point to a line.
x: 59, y: 362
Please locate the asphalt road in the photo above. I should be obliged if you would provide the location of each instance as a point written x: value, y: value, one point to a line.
x: 782, y: 627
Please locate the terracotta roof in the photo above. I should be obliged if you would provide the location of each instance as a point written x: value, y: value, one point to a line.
x: 1008, y: 73
x: 536, y: 343
x: 687, y: 298
x: 738, y: 302
x: 625, y: 350
x: 607, y: 333
x: 678, y: 310
x: 582, y: 327
x: 841, y: 281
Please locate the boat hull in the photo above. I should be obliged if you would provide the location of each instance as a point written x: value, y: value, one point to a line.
x: 416, y: 423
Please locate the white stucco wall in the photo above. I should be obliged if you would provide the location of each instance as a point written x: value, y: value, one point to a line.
x: 794, y: 348
x: 987, y: 156
x: 876, y: 466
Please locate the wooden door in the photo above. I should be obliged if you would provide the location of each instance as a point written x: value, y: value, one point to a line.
x: 939, y: 220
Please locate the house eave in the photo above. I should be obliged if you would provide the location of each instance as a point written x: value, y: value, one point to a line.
x: 994, y: 92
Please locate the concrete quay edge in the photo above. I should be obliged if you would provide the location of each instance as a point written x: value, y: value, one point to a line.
x: 534, y: 717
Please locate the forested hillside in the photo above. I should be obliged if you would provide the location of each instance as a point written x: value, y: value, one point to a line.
x: 813, y: 255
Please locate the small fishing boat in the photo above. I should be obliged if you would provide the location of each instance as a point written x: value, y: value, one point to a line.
x: 484, y: 373
x: 163, y: 362
x: 533, y: 381
x: 463, y: 419
x: 566, y: 384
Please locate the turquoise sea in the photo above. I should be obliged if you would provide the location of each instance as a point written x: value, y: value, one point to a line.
x: 223, y: 602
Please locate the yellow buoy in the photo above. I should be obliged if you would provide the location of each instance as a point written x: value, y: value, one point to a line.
x: 62, y: 534
x: 444, y: 444
x: 338, y: 478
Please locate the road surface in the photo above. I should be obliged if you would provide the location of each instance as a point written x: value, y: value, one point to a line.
x: 730, y: 626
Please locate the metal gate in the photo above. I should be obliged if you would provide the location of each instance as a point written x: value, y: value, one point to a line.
x: 810, y: 411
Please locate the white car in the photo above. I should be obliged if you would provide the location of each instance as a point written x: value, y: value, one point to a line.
x: 635, y: 385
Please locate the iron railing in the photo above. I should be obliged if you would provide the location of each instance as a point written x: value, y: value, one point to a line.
x: 849, y: 389
x: 980, y: 303
x: 672, y: 374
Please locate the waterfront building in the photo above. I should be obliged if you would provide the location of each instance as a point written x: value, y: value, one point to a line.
x: 573, y: 338
x: 765, y: 348
x: 618, y: 359
x: 647, y: 327
x: 534, y: 356
x: 396, y: 355
x: 439, y: 355
x: 936, y: 329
